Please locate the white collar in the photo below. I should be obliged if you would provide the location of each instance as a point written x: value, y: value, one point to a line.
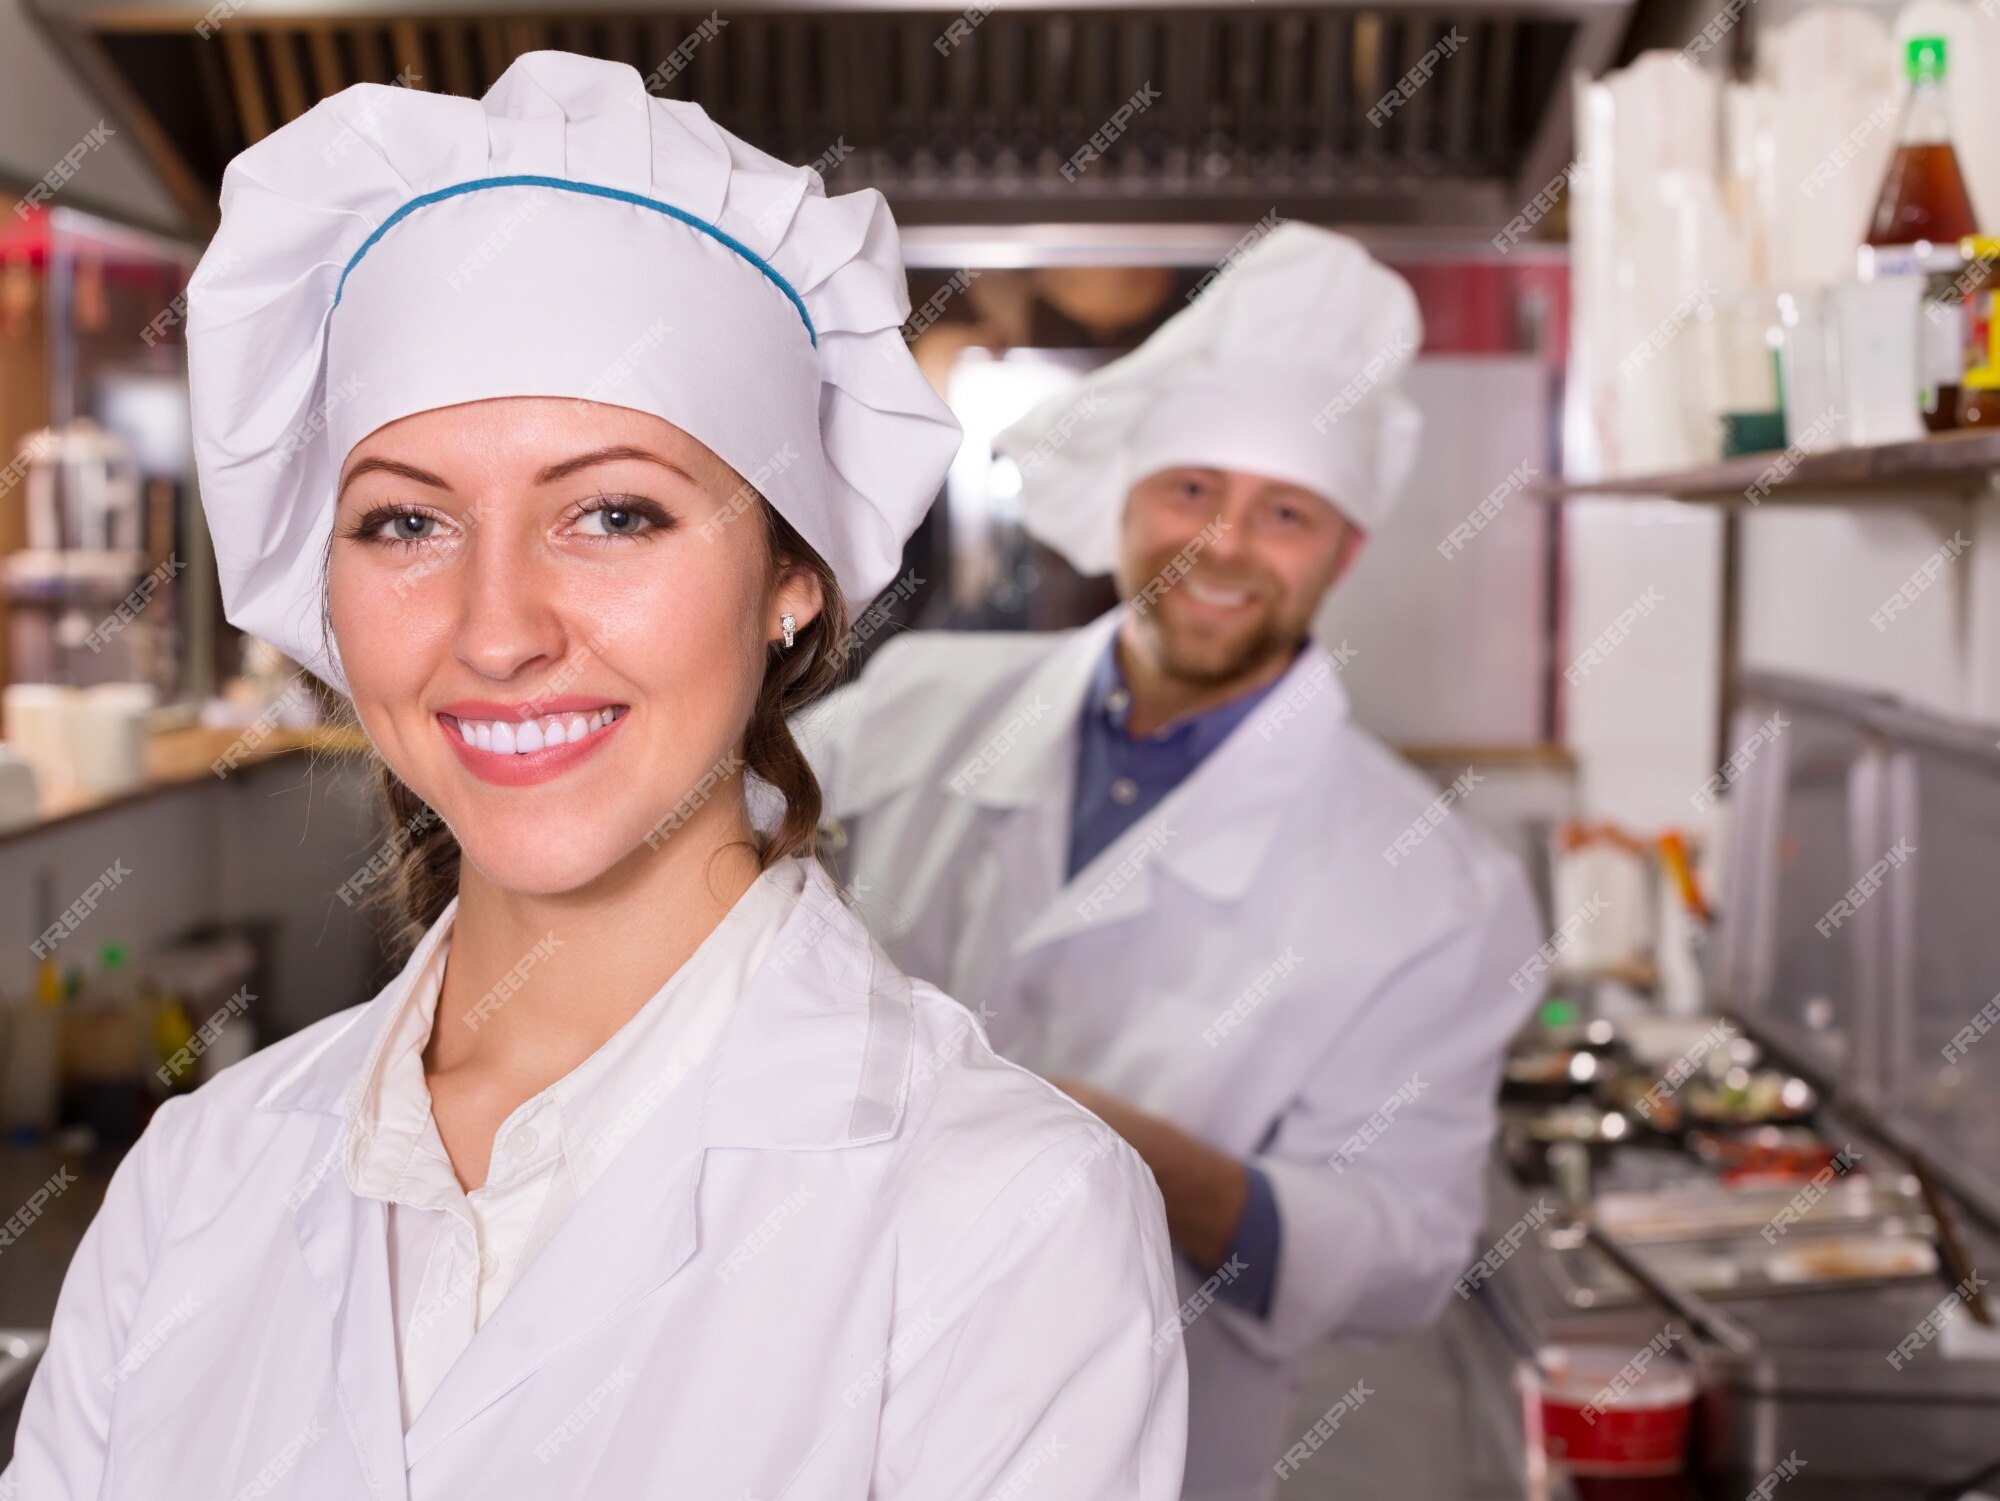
x: 1218, y: 824
x: 389, y: 1147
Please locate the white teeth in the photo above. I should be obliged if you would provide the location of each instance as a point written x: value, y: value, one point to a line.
x: 519, y: 737
x: 1210, y: 594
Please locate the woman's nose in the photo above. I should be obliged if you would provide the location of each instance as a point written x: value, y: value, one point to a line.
x: 509, y: 611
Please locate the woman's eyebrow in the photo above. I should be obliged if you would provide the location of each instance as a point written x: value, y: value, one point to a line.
x: 608, y: 456
x: 546, y: 476
x: 391, y: 466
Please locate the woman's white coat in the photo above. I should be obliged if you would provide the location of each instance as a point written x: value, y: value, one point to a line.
x: 854, y: 1254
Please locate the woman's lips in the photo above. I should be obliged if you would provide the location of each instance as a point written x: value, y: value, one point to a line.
x: 492, y: 748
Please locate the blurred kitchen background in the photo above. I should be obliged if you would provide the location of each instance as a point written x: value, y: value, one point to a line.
x: 1699, y: 573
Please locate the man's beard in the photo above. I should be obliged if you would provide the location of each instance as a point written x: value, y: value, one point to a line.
x: 1208, y: 665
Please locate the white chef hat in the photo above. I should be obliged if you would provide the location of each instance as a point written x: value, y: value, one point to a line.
x: 1284, y: 365
x: 391, y: 251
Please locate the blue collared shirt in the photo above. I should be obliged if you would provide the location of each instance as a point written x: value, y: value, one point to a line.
x: 1120, y: 780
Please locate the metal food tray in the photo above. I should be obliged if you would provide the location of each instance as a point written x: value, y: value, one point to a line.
x: 1706, y: 1211
x: 1711, y: 1240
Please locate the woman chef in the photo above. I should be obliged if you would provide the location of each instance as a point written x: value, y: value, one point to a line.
x: 1158, y: 853
x: 648, y: 1175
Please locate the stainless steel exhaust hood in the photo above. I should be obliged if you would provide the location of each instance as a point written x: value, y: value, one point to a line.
x: 961, y: 116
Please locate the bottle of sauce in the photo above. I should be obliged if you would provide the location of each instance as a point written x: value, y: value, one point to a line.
x: 1979, y: 400
x: 1979, y: 397
x: 1924, y: 210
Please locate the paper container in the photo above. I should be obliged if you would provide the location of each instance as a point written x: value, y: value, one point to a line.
x: 1599, y: 1418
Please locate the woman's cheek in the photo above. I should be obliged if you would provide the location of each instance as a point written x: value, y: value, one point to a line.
x: 390, y: 632
x: 668, y: 631
x: 694, y: 601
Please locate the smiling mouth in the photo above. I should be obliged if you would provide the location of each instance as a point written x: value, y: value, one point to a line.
x: 1216, y: 595
x: 523, y: 737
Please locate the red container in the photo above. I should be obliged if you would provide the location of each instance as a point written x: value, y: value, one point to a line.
x: 1610, y: 1413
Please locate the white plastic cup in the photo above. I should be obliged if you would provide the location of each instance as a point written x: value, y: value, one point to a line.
x: 109, y: 728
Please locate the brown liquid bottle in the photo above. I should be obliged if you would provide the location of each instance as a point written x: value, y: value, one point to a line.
x: 1923, y: 205
x: 1923, y: 196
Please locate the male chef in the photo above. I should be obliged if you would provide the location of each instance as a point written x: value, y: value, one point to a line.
x: 1171, y: 873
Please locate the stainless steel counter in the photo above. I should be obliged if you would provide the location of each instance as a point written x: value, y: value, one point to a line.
x: 1820, y: 1386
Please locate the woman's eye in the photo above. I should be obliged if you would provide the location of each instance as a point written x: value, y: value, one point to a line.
x: 616, y: 521
x: 621, y: 516
x: 409, y: 528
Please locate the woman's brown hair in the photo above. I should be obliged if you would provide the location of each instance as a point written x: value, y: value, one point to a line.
x: 424, y: 875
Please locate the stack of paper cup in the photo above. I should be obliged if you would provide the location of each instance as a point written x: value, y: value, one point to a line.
x: 109, y: 727
x: 35, y: 720
x: 1833, y: 111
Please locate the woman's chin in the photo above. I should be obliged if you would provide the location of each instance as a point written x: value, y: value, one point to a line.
x: 545, y: 861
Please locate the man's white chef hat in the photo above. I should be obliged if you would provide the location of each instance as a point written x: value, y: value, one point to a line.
x: 391, y: 251
x: 1285, y: 364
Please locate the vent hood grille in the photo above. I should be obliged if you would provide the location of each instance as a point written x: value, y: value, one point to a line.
x: 1257, y: 108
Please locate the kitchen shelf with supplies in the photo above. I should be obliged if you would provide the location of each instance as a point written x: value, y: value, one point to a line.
x: 1923, y: 502
x: 1926, y: 468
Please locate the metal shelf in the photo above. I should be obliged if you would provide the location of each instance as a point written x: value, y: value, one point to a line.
x: 1884, y: 474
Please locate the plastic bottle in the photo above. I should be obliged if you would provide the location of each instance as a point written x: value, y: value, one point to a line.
x: 30, y: 1083
x: 109, y: 1041
x: 173, y: 1029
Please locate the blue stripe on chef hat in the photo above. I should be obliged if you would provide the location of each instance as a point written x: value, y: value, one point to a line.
x: 530, y: 180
